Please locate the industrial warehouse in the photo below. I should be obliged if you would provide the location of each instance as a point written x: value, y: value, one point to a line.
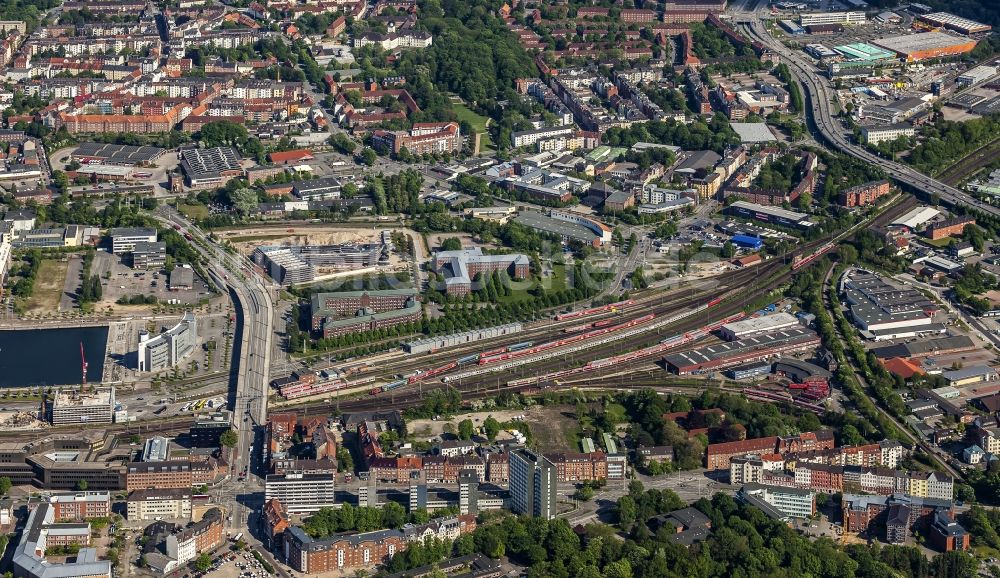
x: 926, y: 45
x: 882, y: 311
x: 724, y: 355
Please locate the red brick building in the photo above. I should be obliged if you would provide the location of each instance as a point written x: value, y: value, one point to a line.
x: 636, y: 15
x: 275, y: 521
x: 81, y: 505
x: 498, y: 468
x: 434, y: 468
x: 717, y: 456
x: 394, y: 470
x: 158, y: 475
x: 946, y: 534
x: 579, y: 467
x: 865, y: 194
x: 423, y: 138
x: 343, y: 553
x: 281, y: 426
x: 949, y: 228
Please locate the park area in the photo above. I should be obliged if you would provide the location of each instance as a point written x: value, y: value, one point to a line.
x: 479, y: 123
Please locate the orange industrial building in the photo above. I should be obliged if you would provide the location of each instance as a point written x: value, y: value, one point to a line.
x: 926, y: 45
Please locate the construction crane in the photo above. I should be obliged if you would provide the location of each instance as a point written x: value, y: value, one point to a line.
x: 83, y: 361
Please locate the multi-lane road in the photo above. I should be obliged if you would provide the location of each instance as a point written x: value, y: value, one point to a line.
x: 818, y: 92
x: 242, y: 493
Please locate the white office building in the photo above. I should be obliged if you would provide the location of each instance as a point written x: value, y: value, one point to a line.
x: 791, y: 502
x: 123, y: 240
x: 168, y: 348
x: 877, y: 134
x: 818, y: 18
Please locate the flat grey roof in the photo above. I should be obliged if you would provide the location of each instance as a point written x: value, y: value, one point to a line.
x: 566, y: 229
x: 751, y: 132
x: 910, y: 43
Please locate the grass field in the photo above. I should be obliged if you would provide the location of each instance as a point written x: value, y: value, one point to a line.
x: 940, y: 243
x: 48, y: 287
x: 555, y: 282
x: 193, y: 212
x: 478, y: 123
x: 249, y: 238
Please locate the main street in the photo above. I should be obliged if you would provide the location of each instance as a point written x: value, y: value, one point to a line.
x: 818, y: 92
x: 242, y: 493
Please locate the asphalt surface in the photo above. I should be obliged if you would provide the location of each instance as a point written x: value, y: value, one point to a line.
x: 242, y: 493
x: 818, y: 93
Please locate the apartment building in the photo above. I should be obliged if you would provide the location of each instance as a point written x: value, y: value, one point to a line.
x: 532, y: 137
x: 299, y: 492
x: 342, y: 552
x: 423, y: 138
x: 580, y: 467
x: 155, y: 504
x: 865, y: 194
x: 177, y: 549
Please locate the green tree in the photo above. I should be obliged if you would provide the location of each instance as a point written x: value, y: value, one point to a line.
x: 626, y: 511
x: 229, y: 438
x: 342, y: 143
x: 393, y: 515
x: 368, y: 156
x: 465, y: 429
x: 82, y: 485
x: 203, y: 562
x: 451, y: 244
x: 244, y: 200
x: 5, y: 485
x: 492, y: 427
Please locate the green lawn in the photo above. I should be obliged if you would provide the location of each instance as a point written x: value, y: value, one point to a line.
x: 193, y: 212
x: 249, y: 238
x: 555, y: 282
x: 477, y: 121
x: 940, y: 243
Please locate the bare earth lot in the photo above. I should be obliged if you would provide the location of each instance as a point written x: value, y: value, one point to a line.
x: 49, y: 284
x: 552, y: 427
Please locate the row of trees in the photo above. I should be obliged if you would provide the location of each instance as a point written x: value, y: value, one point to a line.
x: 946, y: 142
x: 27, y: 273
x: 742, y: 542
x: 348, y: 518
x: 716, y: 134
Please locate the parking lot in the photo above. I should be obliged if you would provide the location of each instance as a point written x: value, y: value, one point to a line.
x: 234, y: 565
x: 120, y: 279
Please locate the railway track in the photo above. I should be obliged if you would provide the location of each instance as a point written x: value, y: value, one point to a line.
x: 969, y: 165
x: 658, y: 304
x: 774, y: 272
x: 485, y: 386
